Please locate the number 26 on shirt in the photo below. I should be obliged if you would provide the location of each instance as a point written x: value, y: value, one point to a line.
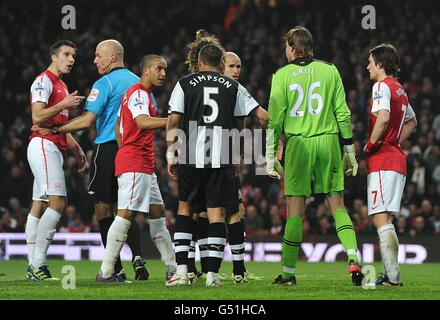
x: 295, y: 112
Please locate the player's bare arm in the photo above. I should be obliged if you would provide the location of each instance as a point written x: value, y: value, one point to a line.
x: 262, y: 116
x: 79, y: 153
x: 172, y: 123
x: 41, y: 114
x: 383, y: 117
x: 145, y: 122
x: 407, y: 129
x: 83, y: 121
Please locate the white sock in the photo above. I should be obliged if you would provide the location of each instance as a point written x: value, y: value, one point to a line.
x: 389, y: 249
x: 31, y: 235
x: 162, y: 239
x: 46, y: 230
x: 182, y: 269
x: 116, y: 237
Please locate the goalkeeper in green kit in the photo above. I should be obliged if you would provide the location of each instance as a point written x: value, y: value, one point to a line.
x: 307, y: 104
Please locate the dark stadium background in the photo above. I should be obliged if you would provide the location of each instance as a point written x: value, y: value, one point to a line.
x: 254, y: 30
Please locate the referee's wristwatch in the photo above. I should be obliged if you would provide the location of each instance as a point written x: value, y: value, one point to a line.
x: 54, y: 129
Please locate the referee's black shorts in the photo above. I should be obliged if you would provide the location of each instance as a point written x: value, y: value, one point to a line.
x: 212, y: 188
x: 103, y: 184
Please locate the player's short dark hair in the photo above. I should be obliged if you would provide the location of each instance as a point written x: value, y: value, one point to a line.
x: 202, y: 38
x: 388, y: 57
x: 55, y: 48
x: 300, y: 39
x: 147, y: 60
x: 212, y: 55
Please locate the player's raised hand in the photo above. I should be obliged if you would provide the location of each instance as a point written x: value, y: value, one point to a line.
x: 349, y: 161
x: 40, y: 130
x: 72, y: 100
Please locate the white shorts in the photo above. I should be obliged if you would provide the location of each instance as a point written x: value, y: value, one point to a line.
x: 46, y: 162
x: 385, y: 189
x: 137, y: 191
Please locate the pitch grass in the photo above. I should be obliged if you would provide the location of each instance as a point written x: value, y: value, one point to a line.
x: 316, y: 281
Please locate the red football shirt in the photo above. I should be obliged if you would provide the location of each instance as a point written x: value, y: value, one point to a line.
x: 47, y: 88
x: 389, y: 95
x: 136, y: 153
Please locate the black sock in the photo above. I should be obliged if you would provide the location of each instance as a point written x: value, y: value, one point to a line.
x: 216, y: 247
x: 134, y: 240
x: 192, y: 249
x: 236, y: 242
x: 182, y: 238
x: 104, y: 226
x: 202, y: 240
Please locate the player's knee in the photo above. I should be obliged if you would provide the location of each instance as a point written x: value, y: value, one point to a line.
x: 184, y: 209
x: 381, y: 219
x: 57, y: 203
x: 104, y: 210
x: 38, y: 208
x: 156, y: 211
x: 126, y: 214
x: 216, y: 215
x: 235, y: 218
x: 242, y: 211
x: 335, y: 201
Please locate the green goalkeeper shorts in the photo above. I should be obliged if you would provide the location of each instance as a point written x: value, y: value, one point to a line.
x: 313, y: 165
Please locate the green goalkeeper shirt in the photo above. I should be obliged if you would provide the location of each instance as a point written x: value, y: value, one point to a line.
x: 307, y: 99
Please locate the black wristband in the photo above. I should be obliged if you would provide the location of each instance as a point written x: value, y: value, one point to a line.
x: 346, y: 142
x: 54, y: 129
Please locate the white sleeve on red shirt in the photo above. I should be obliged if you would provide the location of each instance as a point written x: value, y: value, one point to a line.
x: 381, y: 96
x: 409, y: 113
x: 139, y: 103
x: 41, y: 89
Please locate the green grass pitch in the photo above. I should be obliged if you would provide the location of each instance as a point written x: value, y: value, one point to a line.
x: 315, y: 281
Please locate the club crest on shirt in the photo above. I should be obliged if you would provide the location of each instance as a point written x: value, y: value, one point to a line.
x: 401, y: 92
x: 93, y: 95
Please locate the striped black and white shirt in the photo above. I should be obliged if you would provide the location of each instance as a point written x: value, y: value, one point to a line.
x: 209, y: 102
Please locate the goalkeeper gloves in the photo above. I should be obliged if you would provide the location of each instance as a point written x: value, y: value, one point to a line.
x: 274, y: 169
x: 349, y: 161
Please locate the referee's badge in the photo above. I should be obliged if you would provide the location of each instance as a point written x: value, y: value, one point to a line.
x: 93, y: 95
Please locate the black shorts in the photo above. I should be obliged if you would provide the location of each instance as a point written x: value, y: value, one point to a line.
x: 206, y: 188
x: 233, y: 207
x: 103, y: 183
